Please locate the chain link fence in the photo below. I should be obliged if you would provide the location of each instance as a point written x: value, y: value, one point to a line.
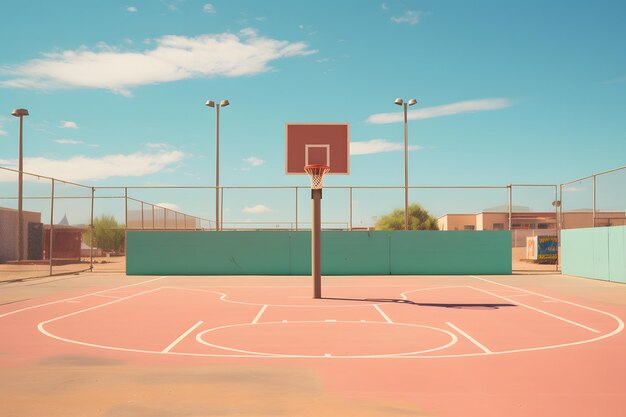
x: 68, y: 227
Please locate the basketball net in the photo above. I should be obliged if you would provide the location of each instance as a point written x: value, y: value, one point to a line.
x: 316, y: 174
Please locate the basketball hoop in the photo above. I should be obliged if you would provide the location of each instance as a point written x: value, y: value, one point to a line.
x: 316, y: 174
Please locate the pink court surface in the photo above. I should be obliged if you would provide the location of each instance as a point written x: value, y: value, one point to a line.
x: 99, y: 344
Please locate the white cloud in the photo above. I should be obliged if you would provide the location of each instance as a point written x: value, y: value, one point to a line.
x: 410, y: 16
x: 131, y: 9
x: 208, y: 8
x: 568, y: 189
x: 439, y: 111
x: 66, y: 124
x: 378, y: 146
x: 3, y: 132
x: 169, y: 206
x: 254, y: 161
x: 157, y: 145
x: 172, y: 58
x: 259, y: 208
x: 67, y: 141
x: 83, y: 168
x: 384, y: 6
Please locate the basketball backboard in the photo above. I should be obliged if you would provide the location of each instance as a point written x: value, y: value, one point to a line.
x: 317, y: 143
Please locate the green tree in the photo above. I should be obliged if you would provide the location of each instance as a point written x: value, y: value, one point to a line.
x: 108, y: 234
x: 419, y: 219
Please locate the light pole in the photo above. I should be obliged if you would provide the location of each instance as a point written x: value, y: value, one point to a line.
x: 20, y: 233
x: 405, y: 105
x: 223, y: 103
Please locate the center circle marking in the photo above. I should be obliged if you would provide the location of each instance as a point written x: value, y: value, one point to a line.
x: 338, y: 339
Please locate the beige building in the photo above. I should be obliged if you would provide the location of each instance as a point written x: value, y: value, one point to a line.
x: 8, y: 232
x: 527, y: 223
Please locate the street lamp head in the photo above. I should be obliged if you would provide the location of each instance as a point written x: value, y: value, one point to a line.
x: 19, y: 112
x: 224, y: 103
x: 412, y: 102
x: 210, y: 103
x: 398, y: 101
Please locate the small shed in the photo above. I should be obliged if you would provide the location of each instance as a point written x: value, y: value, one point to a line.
x: 67, y: 241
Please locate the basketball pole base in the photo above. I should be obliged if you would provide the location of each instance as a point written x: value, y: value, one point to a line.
x: 316, y: 270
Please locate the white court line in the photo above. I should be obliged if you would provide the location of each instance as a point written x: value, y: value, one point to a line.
x: 80, y: 296
x: 181, y: 337
x: 540, y: 311
x: 470, y: 338
x: 106, y: 296
x: 382, y: 313
x: 40, y: 325
x: 258, y: 316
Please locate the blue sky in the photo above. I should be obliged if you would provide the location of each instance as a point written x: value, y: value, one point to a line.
x: 508, y: 91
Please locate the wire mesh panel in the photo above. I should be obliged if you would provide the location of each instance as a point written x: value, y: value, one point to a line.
x: 535, y: 226
x: 610, y: 201
x: 68, y: 238
x: 109, y: 230
x: 371, y: 205
x: 260, y: 208
x: 577, y: 204
x: 170, y: 208
x: 464, y: 208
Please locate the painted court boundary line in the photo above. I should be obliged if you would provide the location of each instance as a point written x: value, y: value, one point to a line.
x: 540, y: 311
x: 181, y: 337
x: 544, y: 296
x: 415, y: 355
x: 470, y: 338
x: 80, y: 296
x: 258, y: 316
x: 382, y: 313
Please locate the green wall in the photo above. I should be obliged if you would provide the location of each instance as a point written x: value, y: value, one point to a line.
x: 343, y: 253
x: 595, y: 253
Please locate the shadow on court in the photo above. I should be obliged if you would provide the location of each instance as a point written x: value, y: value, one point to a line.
x: 477, y: 306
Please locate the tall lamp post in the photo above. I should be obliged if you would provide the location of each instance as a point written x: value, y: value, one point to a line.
x: 405, y: 105
x: 20, y: 233
x: 216, y: 106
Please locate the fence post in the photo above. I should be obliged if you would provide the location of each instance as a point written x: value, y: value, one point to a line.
x: 222, y: 209
x: 296, y: 188
x: 350, y: 225
x: 91, y: 237
x: 51, y: 225
x: 125, y: 216
x: 510, y: 207
x: 593, y: 214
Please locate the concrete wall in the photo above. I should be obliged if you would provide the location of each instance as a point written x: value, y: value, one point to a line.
x: 343, y: 253
x: 598, y: 253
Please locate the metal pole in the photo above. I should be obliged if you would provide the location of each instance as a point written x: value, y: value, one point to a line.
x: 350, y: 226
x: 152, y: 216
x: 125, y: 216
x: 557, y: 204
x: 510, y: 207
x: 142, y: 227
x: 20, y: 181
x: 91, y: 237
x: 217, y: 168
x: 562, y: 217
x: 593, y: 214
x: 406, y: 169
x: 51, y: 225
x: 316, y: 197
x: 296, y: 209
x: 221, y: 209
